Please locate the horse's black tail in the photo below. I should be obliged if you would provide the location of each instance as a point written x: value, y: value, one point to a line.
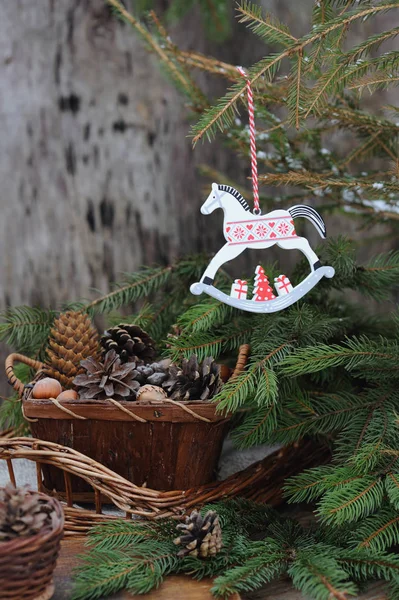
x: 301, y: 210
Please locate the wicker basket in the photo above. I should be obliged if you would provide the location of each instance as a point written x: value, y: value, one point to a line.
x: 166, y: 446
x: 27, y: 564
x: 260, y: 482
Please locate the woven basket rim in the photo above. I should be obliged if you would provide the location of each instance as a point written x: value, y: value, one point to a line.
x: 164, y: 410
x: 137, y: 405
x: 30, y: 542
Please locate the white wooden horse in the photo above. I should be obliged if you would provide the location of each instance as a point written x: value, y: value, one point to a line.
x: 243, y: 229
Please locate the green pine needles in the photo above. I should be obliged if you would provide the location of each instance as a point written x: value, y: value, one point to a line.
x: 325, y: 367
x: 307, y: 90
x: 139, y: 555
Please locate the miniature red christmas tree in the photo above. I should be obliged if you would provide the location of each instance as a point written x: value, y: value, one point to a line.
x: 262, y: 289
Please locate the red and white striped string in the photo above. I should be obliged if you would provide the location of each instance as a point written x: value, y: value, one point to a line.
x: 252, y: 142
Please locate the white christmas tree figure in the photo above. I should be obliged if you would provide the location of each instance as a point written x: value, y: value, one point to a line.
x: 262, y: 289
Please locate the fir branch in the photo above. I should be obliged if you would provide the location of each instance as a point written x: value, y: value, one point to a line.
x: 11, y: 416
x: 117, y: 535
x: 222, y: 115
x: 181, y: 78
x: 209, y: 64
x: 325, y: 414
x: 226, y: 338
x: 318, y: 574
x: 143, y: 318
x: 376, y: 81
x: 378, y: 531
x: 267, y: 26
x: 352, y: 501
x: 313, y: 483
x: 339, y: 74
x: 392, y: 488
x: 322, y: 12
x: 266, y: 560
x: 139, y: 285
x: 25, y: 328
x: 321, y: 181
x: 205, y: 316
x: 139, y: 570
x: 258, y: 380
x: 355, y: 354
x: 256, y: 428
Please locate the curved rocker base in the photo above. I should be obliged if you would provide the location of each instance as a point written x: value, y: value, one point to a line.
x: 270, y: 306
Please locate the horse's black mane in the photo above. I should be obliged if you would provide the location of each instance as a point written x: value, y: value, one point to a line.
x: 236, y: 194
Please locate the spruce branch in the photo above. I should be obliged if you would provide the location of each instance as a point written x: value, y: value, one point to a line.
x: 140, y: 284
x: 392, y: 488
x: 25, y: 328
x: 352, y: 501
x: 356, y: 354
x: 340, y: 74
x: 222, y: 115
x: 378, y: 531
x: 182, y: 79
x: 267, y: 26
x: 266, y: 561
x: 318, y: 574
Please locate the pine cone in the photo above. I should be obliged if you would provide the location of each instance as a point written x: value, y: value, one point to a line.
x: 130, y: 342
x: 193, y: 381
x: 108, y: 379
x: 22, y: 513
x: 201, y: 536
x: 153, y: 374
x: 72, y: 339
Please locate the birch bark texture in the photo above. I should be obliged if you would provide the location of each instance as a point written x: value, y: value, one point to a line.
x: 94, y: 153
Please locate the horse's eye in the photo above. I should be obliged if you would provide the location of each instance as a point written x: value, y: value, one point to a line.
x: 213, y: 196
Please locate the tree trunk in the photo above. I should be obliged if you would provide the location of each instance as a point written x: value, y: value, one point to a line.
x: 97, y: 172
x: 93, y: 146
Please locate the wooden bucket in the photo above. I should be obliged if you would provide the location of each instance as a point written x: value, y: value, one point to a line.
x: 165, y: 446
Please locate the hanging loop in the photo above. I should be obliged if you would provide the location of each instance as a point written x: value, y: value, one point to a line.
x: 252, y: 143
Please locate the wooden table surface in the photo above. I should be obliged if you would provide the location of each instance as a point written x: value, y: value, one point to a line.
x: 176, y: 587
x: 179, y: 587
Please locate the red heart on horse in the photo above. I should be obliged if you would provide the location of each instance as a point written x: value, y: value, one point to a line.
x: 273, y: 235
x: 249, y: 227
x: 272, y: 223
x: 228, y: 229
x: 250, y: 238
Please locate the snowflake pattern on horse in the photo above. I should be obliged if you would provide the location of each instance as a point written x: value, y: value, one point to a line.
x: 259, y: 230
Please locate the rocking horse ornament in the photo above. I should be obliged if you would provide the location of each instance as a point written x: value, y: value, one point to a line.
x: 243, y: 229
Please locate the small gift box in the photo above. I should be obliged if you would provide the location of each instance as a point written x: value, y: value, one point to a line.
x: 239, y: 289
x: 282, y: 285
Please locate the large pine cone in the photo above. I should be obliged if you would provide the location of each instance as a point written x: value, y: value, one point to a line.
x: 201, y: 536
x: 193, y: 381
x: 130, y: 342
x: 108, y: 379
x: 72, y: 339
x: 22, y: 513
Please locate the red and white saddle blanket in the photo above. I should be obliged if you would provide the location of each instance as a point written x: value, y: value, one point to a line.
x: 260, y: 230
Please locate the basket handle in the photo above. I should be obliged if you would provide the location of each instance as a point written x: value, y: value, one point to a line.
x: 242, y: 359
x: 12, y: 378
